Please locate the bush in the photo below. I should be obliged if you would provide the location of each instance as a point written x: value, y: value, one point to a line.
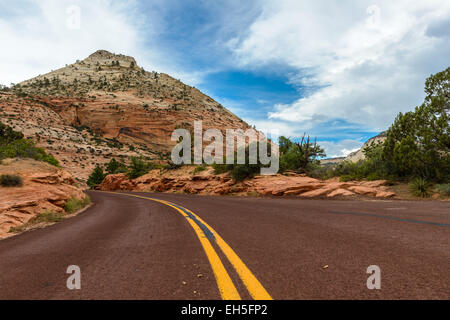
x: 199, y: 169
x: 75, y: 204
x: 298, y: 156
x: 222, y: 168
x: 13, y: 145
x: 8, y: 180
x: 420, y: 187
x: 417, y: 143
x: 241, y: 172
x: 96, y: 177
x: 444, y: 189
x: 114, y: 167
x: 137, y: 168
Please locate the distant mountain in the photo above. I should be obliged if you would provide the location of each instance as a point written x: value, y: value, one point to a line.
x: 107, y: 106
x: 359, y: 154
x: 356, y: 155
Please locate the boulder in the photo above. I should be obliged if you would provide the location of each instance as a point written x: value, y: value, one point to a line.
x: 363, y: 190
x: 340, y: 192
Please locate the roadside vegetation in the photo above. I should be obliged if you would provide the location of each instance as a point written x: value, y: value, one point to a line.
x: 136, y: 168
x: 49, y: 217
x: 14, y: 145
x: 75, y: 204
x: 240, y: 172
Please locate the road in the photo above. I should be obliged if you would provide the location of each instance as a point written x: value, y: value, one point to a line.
x: 128, y: 246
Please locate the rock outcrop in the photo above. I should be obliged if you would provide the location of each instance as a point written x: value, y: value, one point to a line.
x: 45, y: 188
x: 278, y: 185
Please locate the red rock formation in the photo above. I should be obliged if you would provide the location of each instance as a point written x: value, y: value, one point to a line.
x: 277, y: 185
x: 46, y: 188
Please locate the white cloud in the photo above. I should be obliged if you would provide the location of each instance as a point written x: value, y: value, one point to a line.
x: 38, y: 36
x: 45, y: 35
x: 369, y: 58
x: 340, y: 149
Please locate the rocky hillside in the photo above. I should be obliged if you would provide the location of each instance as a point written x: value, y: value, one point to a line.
x: 105, y: 106
x: 359, y: 155
x: 356, y: 155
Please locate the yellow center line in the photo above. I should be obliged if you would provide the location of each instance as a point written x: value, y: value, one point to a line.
x: 226, y: 287
x: 254, y: 287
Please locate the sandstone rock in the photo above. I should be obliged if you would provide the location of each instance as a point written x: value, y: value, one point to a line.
x: 195, y: 187
x: 114, y: 182
x: 374, y: 184
x: 363, y: 190
x: 385, y: 194
x: 315, y: 193
x: 46, y: 188
x: 340, y: 192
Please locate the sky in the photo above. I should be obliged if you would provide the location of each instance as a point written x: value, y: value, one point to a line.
x: 337, y: 70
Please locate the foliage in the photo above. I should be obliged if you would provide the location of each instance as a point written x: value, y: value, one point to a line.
x: 11, y: 180
x: 240, y: 172
x: 96, y: 177
x: 138, y: 167
x: 221, y: 168
x: 199, y: 169
x: 75, y: 204
x: 444, y: 189
x: 114, y: 167
x: 14, y: 145
x: 420, y: 187
x: 298, y: 156
x: 418, y: 142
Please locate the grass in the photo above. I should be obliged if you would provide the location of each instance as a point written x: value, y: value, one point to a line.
x: 72, y: 205
x: 75, y: 204
x: 11, y: 180
x: 46, y: 217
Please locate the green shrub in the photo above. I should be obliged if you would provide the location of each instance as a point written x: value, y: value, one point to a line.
x: 420, y: 187
x: 241, y: 172
x: 13, y: 145
x: 10, y: 180
x: 96, y: 177
x: 199, y: 169
x: 346, y: 177
x: 444, y: 189
x: 75, y: 204
x: 222, y: 168
x: 298, y: 155
x: 114, y: 167
x: 137, y: 168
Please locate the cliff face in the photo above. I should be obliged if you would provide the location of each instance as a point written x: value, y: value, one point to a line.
x: 105, y: 106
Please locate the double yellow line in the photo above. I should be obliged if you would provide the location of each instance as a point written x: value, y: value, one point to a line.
x: 225, y: 284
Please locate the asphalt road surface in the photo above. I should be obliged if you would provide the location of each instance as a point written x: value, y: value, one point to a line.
x: 129, y: 246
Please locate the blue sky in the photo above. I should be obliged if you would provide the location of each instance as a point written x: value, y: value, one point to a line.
x: 337, y: 70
